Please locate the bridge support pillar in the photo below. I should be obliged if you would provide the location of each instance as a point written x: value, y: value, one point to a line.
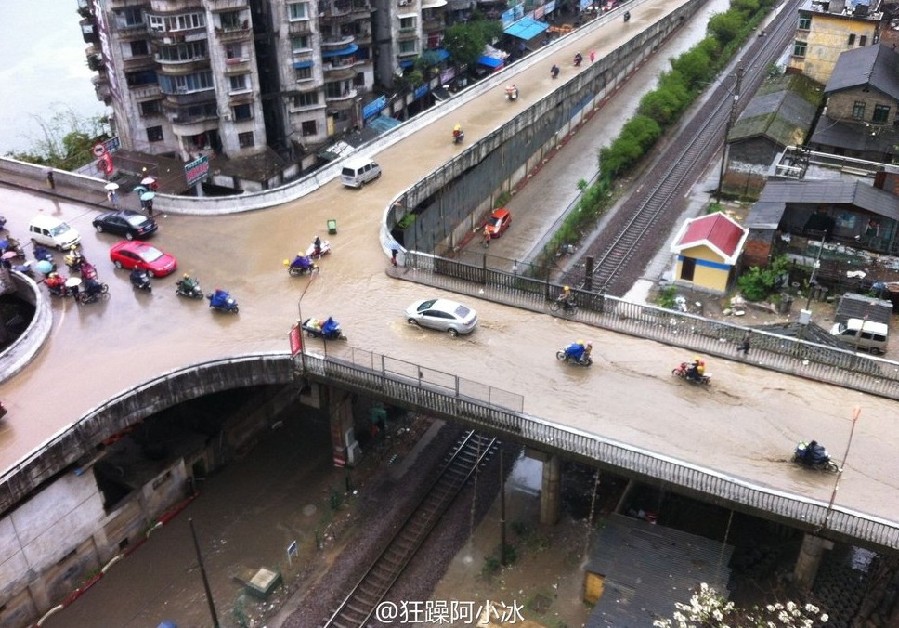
x: 344, y: 447
x: 809, y: 560
x: 551, y: 491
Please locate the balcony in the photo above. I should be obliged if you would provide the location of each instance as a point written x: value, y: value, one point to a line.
x: 344, y: 100
x: 299, y: 27
x: 102, y: 87
x: 133, y: 64
x: 146, y: 92
x: 337, y: 41
x: 225, y: 5
x: 434, y: 25
x: 240, y: 97
x: 340, y: 72
x: 232, y: 34
x: 186, y: 99
x: 341, y: 8
x: 237, y: 66
x: 177, y: 68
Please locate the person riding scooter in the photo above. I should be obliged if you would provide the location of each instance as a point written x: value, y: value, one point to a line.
x: 554, y: 70
x: 458, y: 134
x: 579, y: 351
x: 512, y: 92
x: 140, y: 279
x: 317, y: 246
x: 577, y: 60
x: 56, y: 284
x: 566, y: 299
x: 696, y: 369
x: 627, y: 16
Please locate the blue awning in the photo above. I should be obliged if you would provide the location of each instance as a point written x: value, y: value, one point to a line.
x: 526, y: 28
x: 340, y: 52
x: 299, y: 65
x: 442, y: 53
x: 406, y: 63
x: 490, y: 62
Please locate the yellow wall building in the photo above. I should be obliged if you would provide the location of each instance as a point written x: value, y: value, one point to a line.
x: 706, y: 251
x: 825, y: 30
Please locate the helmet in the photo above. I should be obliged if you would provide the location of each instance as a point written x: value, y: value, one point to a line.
x: 696, y: 358
x: 566, y: 289
x: 53, y: 275
x: 185, y: 276
x: 590, y: 344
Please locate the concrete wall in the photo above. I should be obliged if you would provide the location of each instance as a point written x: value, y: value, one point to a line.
x: 26, y: 346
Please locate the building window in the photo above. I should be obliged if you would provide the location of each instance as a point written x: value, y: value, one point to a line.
x: 242, y: 113
x: 799, y: 48
x: 863, y: 40
x: 151, y: 108
x: 234, y: 51
x: 851, y: 39
x: 858, y: 110
x: 299, y: 42
x: 881, y: 114
x: 187, y: 21
x: 359, y: 81
x: 306, y: 99
x: 139, y: 48
x: 408, y: 46
x: 805, y: 23
x: 129, y: 16
x: 303, y: 74
x: 186, y: 84
x: 238, y: 83
x: 246, y: 140
x: 407, y: 23
x: 154, y: 133
x: 298, y: 11
x: 135, y: 79
x: 310, y: 128
x: 230, y: 20
x: 183, y: 52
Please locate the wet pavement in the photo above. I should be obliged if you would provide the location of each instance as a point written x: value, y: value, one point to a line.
x: 745, y: 425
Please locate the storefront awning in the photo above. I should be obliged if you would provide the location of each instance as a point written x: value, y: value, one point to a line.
x: 526, y: 28
x: 490, y: 62
x: 340, y: 52
x: 299, y: 65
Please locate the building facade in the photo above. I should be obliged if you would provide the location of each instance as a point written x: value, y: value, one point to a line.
x: 827, y: 29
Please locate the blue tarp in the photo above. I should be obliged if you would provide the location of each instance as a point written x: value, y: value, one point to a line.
x: 490, y: 62
x: 374, y: 107
x: 340, y: 52
x: 406, y: 63
x: 442, y: 53
x: 526, y: 28
x: 297, y: 65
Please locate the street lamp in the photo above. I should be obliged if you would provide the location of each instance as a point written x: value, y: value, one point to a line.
x: 731, y: 118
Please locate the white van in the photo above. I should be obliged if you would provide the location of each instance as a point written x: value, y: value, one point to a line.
x: 358, y: 173
x: 868, y: 335
x: 51, y: 231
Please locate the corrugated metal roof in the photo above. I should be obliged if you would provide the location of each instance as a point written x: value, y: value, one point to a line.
x: 854, y: 136
x: 783, y: 110
x: 877, y: 66
x: 861, y: 194
x: 647, y: 568
x: 765, y: 215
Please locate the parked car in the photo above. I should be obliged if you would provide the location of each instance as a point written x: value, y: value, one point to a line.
x: 443, y: 315
x: 131, y: 225
x: 51, y: 231
x: 141, y: 255
x: 863, y: 334
x: 499, y: 221
x: 357, y: 173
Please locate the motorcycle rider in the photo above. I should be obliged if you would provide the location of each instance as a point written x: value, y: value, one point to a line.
x: 512, y: 92
x: 579, y: 351
x: 554, y: 70
x: 92, y: 287
x: 55, y: 283
x: 627, y: 16
x: 457, y: 133
x: 139, y: 277
x: 566, y: 299
x: 696, y: 369
x: 317, y: 246
x: 577, y: 60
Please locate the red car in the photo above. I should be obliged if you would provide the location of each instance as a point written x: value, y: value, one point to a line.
x: 144, y: 256
x: 498, y: 222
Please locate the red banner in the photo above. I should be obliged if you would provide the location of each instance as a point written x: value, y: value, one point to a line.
x: 296, y: 339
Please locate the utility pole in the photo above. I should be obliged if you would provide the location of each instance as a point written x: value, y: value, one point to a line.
x: 193, y: 533
x: 730, y: 121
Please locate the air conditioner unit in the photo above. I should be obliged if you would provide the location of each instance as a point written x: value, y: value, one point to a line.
x: 404, y: 3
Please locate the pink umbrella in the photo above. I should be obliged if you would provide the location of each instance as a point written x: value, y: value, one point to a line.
x: 9, y: 255
x: 147, y: 181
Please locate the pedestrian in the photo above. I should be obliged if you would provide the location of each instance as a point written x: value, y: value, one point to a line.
x: 150, y: 208
x: 744, y: 346
x: 486, y: 236
x: 393, y: 253
x: 113, y: 197
x: 51, y: 181
x: 592, y: 56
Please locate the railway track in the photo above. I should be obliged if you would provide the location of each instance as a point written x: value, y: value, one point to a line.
x: 470, y: 451
x: 655, y: 209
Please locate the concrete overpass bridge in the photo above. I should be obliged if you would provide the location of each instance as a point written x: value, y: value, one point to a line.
x: 730, y: 443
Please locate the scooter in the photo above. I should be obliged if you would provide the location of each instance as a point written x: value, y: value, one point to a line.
x: 42, y: 255
x: 11, y: 245
x: 627, y: 16
x: 93, y: 291
x: 512, y: 93
x: 554, y: 71
x: 59, y: 286
x: 574, y: 354
x: 140, y: 279
x: 189, y: 288
x: 324, y: 248
x: 301, y: 265
x: 221, y: 301
x: 577, y: 60
x: 328, y: 329
x: 458, y: 135
x: 683, y: 371
x: 74, y: 259
x: 817, y: 458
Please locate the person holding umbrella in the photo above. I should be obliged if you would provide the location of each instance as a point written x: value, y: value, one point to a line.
x: 146, y: 201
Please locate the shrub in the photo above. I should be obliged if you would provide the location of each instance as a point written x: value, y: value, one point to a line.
x: 757, y: 283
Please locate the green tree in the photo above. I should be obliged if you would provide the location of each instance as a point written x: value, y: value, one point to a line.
x: 725, y: 27
x: 465, y: 41
x: 757, y: 283
x: 65, y: 142
x: 694, y: 65
x: 664, y: 104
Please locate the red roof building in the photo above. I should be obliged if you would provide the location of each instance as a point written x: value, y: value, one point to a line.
x: 707, y: 249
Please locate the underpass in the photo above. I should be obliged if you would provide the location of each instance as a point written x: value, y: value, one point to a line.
x: 744, y: 427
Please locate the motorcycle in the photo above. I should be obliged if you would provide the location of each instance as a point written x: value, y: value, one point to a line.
x: 140, y: 279
x: 93, y: 291
x: 74, y: 259
x: 301, y: 265
x: 458, y: 135
x: 221, y: 301
x: 42, y: 255
x: 11, y: 245
x: 511, y: 92
x: 814, y: 456
x: 324, y: 248
x: 685, y: 372
x: 569, y: 306
x: 188, y: 288
x: 59, y: 286
x: 554, y: 71
x: 575, y: 353
x: 577, y: 60
x: 627, y: 16
x: 2, y: 222
x: 328, y: 329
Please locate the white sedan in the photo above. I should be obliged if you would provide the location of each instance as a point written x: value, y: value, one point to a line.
x: 443, y: 315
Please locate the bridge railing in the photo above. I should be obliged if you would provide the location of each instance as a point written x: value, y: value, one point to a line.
x: 374, y: 375
x: 831, y: 365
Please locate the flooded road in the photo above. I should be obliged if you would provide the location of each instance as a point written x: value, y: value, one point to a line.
x: 745, y: 425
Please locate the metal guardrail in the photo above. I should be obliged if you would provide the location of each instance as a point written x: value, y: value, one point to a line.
x: 446, y: 401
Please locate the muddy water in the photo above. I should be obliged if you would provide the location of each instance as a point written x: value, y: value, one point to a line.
x: 745, y: 425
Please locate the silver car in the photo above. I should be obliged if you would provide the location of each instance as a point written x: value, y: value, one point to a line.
x: 443, y: 315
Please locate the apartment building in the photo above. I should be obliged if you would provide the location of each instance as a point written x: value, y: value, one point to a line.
x: 236, y: 77
x: 828, y: 28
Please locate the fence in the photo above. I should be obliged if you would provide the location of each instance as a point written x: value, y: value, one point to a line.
x: 780, y: 353
x: 485, y: 408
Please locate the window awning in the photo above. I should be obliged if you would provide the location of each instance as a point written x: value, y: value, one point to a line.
x: 526, y: 28
x: 340, y: 52
x: 490, y: 62
x: 299, y: 65
x: 406, y: 63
